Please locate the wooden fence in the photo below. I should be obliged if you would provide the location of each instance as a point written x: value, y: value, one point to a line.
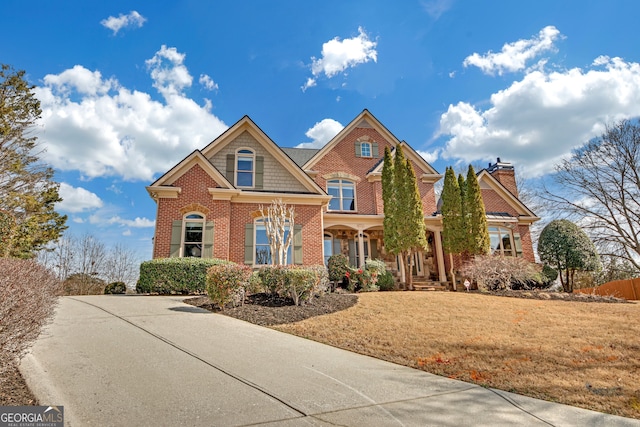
x: 627, y: 289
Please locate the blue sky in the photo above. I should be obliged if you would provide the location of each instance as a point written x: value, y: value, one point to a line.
x: 130, y: 88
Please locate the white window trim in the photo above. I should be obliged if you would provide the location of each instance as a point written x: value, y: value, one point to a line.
x: 341, y: 181
x: 502, y: 231
x: 368, y: 144
x: 185, y: 219
x: 252, y: 154
x: 260, y: 222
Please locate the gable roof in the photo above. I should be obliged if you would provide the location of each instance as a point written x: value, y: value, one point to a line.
x: 523, y: 211
x: 431, y: 175
x: 300, y: 155
x: 195, y: 158
x: 245, y: 124
x: 373, y: 122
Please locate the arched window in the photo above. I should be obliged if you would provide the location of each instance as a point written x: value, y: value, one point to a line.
x: 343, y: 195
x: 501, y: 241
x: 245, y: 168
x: 192, y: 235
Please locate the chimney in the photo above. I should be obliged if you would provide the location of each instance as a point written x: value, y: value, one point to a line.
x: 504, y: 173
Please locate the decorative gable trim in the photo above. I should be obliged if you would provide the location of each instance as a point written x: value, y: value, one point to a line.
x: 371, y: 121
x: 524, y: 213
x: 247, y: 125
x: 195, y: 158
x: 342, y: 175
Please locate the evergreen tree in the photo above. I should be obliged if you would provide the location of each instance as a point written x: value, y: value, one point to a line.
x: 453, y: 233
x: 480, y: 243
x: 390, y: 204
x: 465, y: 225
x: 27, y: 190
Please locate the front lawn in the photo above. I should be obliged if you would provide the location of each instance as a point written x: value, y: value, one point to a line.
x: 577, y: 353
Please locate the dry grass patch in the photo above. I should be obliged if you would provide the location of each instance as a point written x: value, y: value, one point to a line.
x: 581, y: 354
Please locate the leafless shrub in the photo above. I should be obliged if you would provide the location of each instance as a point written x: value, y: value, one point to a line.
x: 494, y: 272
x: 83, y: 284
x: 28, y: 295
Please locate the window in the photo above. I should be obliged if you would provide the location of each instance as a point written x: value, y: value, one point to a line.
x: 262, y: 252
x: 342, y: 194
x: 501, y: 241
x: 192, y: 235
x: 245, y: 168
x: 328, y: 247
x: 365, y: 149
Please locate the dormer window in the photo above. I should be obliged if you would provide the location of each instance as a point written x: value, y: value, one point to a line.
x: 245, y: 168
x: 365, y: 149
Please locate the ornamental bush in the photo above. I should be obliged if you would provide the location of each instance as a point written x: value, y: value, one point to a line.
x: 495, y: 272
x: 299, y: 284
x: 366, y: 279
x: 386, y: 281
x: 175, y: 275
x: 226, y: 284
x: 338, y: 266
x: 28, y: 296
x: 115, y: 288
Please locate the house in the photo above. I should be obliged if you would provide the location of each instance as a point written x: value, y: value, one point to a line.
x: 208, y: 205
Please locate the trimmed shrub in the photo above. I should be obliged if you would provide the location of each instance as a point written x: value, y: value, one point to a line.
x: 386, y: 281
x: 299, y: 284
x: 366, y: 279
x: 28, y: 295
x: 83, y: 284
x: 175, y: 275
x: 494, y: 272
x: 115, y: 288
x: 226, y: 284
x: 549, y: 274
x: 338, y: 266
x: 254, y: 285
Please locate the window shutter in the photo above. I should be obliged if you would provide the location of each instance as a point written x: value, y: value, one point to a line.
x: 248, y: 243
x: 373, y: 248
x: 297, y: 244
x: 259, y: 172
x: 176, y: 239
x: 358, y: 149
x: 374, y: 150
x: 352, y: 252
x: 231, y: 163
x: 207, y: 250
x: 518, y: 244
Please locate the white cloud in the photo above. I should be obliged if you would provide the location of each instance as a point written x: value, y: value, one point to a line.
x: 99, y: 128
x: 207, y: 82
x: 435, y: 8
x: 339, y: 55
x: 430, y: 157
x: 77, y: 199
x: 132, y: 20
x: 321, y: 133
x: 514, y: 56
x: 117, y: 220
x: 126, y: 232
x: 537, y: 121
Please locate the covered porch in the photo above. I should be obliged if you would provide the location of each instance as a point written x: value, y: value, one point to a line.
x: 364, y: 239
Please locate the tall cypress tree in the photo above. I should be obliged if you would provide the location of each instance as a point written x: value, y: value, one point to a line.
x: 480, y: 242
x: 390, y: 204
x: 453, y: 237
x: 465, y: 226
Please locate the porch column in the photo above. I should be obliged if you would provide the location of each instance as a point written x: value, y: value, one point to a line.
x: 361, y: 248
x: 440, y: 256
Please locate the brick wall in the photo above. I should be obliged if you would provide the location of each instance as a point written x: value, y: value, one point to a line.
x: 229, y: 220
x: 342, y: 158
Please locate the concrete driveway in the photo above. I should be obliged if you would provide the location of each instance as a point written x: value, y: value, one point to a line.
x: 155, y: 361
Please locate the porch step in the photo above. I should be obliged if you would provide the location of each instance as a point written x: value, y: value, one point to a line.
x: 429, y: 286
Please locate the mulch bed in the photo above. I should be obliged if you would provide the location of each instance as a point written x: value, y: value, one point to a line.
x: 13, y: 389
x: 267, y: 310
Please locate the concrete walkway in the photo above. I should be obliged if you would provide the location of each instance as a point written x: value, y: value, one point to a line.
x: 155, y: 361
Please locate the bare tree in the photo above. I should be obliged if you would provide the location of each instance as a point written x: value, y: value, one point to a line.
x: 277, y: 220
x: 599, y: 186
x: 121, y: 265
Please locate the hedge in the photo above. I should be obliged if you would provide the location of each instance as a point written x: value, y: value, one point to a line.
x: 175, y: 275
